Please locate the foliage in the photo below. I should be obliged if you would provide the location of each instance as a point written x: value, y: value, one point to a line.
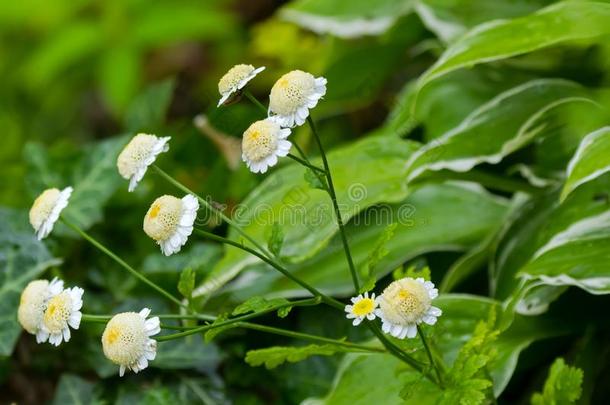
x: 468, y: 142
x: 562, y: 386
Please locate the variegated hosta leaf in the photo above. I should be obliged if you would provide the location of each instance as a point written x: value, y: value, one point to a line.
x: 592, y: 159
x: 365, y: 173
x: 496, y: 129
x: 449, y: 19
x: 345, y: 18
x: 495, y: 40
x: 435, y: 217
x: 553, y: 245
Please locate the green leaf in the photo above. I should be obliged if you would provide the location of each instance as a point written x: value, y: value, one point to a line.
x: 95, y: 178
x: 305, y: 214
x: 275, y: 356
x: 186, y: 284
x: 379, y: 378
x: 73, y: 390
x: 476, y: 140
x: 147, y: 111
x: 556, y: 245
x: 436, y: 217
x: 496, y: 40
x: 259, y: 304
x: 449, y: 19
x: 313, y: 180
x: 276, y: 239
x: 562, y: 386
x: 22, y: 259
x: 591, y: 160
x: 212, y: 333
x: 379, y: 252
x: 345, y: 18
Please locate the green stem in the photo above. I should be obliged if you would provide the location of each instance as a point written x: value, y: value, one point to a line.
x: 95, y: 318
x: 210, y: 208
x: 333, y: 197
x: 398, y: 352
x: 204, y: 328
x: 255, y: 101
x: 121, y: 262
x: 430, y: 357
x: 306, y: 336
x: 275, y: 264
x: 305, y: 163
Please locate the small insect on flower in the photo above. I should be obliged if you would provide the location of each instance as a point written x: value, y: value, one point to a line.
x: 62, y: 312
x: 236, y: 79
x: 126, y: 340
x: 33, y: 303
x: 406, y: 303
x: 138, y: 154
x: 364, y: 307
x: 46, y: 209
x: 169, y: 221
x: 293, y: 95
x: 262, y: 143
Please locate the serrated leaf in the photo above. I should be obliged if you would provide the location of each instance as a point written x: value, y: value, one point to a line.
x: 283, y: 312
x: 591, y: 160
x: 259, y: 304
x: 276, y: 239
x: 562, y: 386
x: 274, y: 356
x: 212, y: 333
x: 495, y: 40
x: 313, y: 180
x: 186, y: 284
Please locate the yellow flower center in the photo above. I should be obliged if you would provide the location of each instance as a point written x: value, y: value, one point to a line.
x: 405, y: 301
x: 124, y: 339
x: 260, y: 140
x: 58, y: 312
x: 290, y: 92
x: 364, y: 307
x: 162, y: 217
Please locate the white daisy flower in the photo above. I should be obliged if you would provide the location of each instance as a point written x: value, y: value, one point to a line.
x: 126, y: 340
x: 236, y: 79
x: 33, y: 303
x: 293, y: 95
x: 138, y: 154
x: 262, y: 143
x: 405, y: 304
x: 364, y: 307
x: 46, y: 209
x: 169, y: 221
x: 62, y: 312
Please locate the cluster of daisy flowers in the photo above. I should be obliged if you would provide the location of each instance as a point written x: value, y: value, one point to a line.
x: 403, y: 305
x: 48, y: 311
x: 290, y: 99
